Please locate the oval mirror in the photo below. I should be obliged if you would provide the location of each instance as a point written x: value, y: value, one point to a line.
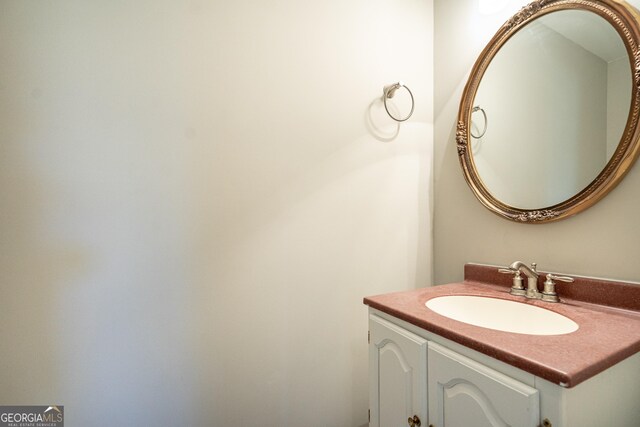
x: 548, y: 122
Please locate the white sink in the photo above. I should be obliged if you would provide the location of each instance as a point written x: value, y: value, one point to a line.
x: 502, y: 315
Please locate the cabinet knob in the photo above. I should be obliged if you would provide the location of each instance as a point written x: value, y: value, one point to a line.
x: 414, y: 422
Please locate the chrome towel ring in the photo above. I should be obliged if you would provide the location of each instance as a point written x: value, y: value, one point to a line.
x: 486, y: 122
x: 389, y: 91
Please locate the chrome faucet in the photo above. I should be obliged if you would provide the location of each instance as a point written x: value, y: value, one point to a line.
x: 532, y: 278
x: 548, y: 294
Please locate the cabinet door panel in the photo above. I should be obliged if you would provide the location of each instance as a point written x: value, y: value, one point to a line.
x: 463, y: 393
x: 398, y: 372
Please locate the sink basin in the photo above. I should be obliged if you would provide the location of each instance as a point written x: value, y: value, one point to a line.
x: 502, y: 315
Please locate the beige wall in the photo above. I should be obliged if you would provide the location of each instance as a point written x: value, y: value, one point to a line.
x: 602, y: 241
x: 195, y: 198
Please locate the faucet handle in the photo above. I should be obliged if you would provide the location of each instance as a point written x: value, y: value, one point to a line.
x: 549, y: 293
x: 517, y: 288
x: 560, y: 278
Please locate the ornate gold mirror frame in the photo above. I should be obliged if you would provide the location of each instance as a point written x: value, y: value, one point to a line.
x: 624, y: 20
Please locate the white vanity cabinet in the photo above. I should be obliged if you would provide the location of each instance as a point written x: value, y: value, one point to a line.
x: 398, y: 374
x: 416, y: 373
x: 464, y: 393
x: 413, y: 377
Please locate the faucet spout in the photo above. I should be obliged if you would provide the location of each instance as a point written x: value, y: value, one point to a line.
x: 528, y: 271
x: 532, y: 278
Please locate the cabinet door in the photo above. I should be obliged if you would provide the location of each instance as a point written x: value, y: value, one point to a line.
x: 464, y: 393
x: 398, y: 375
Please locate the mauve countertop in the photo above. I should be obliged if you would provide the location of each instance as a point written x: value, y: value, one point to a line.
x: 607, y: 334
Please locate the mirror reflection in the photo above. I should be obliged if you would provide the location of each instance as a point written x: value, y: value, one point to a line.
x: 556, y: 97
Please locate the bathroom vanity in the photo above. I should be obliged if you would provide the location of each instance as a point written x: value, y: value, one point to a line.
x: 529, y: 155
x: 427, y: 369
